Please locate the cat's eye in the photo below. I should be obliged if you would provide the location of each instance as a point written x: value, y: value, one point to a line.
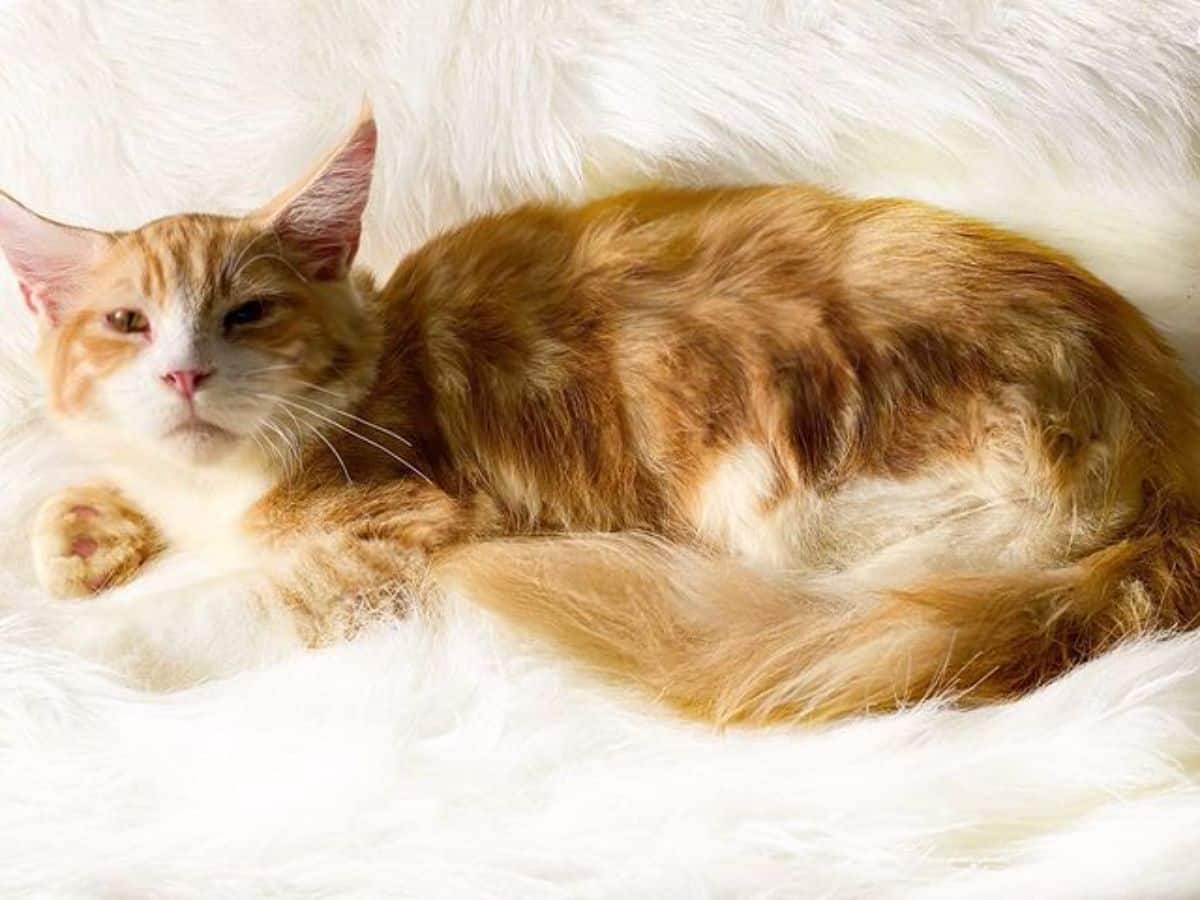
x: 127, y: 321
x: 246, y: 313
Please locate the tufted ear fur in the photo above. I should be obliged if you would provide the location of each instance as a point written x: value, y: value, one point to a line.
x: 48, y: 258
x: 319, y: 219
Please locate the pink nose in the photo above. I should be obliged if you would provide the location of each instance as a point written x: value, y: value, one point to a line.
x: 186, y: 381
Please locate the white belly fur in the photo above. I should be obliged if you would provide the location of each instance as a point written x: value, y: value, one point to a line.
x: 977, y: 514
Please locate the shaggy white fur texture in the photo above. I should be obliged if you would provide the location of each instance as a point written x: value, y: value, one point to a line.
x: 460, y: 761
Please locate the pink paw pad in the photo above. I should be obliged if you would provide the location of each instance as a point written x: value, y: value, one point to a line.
x: 83, y: 547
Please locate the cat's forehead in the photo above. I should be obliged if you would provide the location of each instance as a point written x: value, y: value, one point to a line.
x: 186, y: 259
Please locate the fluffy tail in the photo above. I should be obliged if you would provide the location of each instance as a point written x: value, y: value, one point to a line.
x: 727, y: 643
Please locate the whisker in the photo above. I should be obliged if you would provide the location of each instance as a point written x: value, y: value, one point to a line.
x: 324, y: 390
x: 335, y: 409
x: 277, y: 368
x: 324, y: 440
x: 274, y: 256
x: 332, y: 449
x: 366, y: 440
x: 360, y: 420
x: 274, y: 451
x: 288, y: 438
x: 292, y: 452
x: 271, y: 450
x: 235, y: 268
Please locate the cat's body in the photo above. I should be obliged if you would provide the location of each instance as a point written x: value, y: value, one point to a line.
x: 941, y: 457
x: 756, y: 369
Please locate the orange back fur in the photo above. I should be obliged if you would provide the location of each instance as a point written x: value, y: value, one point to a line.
x: 589, y: 367
x: 763, y: 383
x: 592, y: 369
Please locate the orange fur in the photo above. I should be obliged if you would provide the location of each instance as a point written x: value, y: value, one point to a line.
x: 772, y: 452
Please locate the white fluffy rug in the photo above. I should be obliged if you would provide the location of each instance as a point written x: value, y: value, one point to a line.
x: 461, y: 761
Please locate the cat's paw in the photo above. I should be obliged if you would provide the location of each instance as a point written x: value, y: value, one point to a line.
x: 88, y: 538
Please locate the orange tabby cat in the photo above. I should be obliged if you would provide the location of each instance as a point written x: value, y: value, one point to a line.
x: 772, y: 452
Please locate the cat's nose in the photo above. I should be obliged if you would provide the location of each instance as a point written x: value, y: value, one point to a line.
x: 187, y: 381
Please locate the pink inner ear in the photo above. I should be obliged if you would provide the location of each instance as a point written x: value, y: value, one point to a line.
x: 325, y: 256
x: 322, y: 223
x: 27, y: 294
x: 48, y: 258
x: 39, y: 301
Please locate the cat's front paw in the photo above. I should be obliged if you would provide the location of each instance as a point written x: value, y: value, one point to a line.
x: 88, y: 538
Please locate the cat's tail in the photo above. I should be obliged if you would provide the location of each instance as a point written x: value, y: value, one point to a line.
x: 729, y: 643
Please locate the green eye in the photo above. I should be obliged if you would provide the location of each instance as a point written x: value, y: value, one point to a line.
x: 246, y: 314
x: 127, y: 321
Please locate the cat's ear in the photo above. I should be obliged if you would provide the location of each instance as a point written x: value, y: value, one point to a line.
x: 48, y: 258
x: 319, y: 219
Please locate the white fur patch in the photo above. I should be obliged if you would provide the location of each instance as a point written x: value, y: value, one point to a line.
x: 453, y: 763
x: 979, y: 514
x: 729, y: 509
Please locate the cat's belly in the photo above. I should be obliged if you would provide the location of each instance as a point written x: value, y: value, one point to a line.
x: 970, y: 514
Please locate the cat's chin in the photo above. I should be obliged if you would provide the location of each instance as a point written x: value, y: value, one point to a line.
x: 201, y: 443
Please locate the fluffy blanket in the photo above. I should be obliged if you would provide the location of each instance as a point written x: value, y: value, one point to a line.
x: 456, y: 759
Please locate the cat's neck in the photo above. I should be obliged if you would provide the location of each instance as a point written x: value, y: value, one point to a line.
x: 193, y: 506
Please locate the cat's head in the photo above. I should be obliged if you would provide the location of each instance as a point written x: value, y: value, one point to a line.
x: 198, y: 336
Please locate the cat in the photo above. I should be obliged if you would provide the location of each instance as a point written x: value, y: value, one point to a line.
x: 770, y: 452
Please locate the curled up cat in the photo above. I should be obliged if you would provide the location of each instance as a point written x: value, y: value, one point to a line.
x: 772, y: 453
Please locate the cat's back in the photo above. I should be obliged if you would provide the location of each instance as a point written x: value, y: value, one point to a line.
x: 627, y: 250
x: 761, y: 287
x: 577, y: 355
x: 713, y: 254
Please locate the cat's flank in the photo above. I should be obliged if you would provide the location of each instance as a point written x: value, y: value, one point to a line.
x: 772, y: 452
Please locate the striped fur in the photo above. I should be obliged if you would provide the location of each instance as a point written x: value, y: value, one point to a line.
x: 772, y: 452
